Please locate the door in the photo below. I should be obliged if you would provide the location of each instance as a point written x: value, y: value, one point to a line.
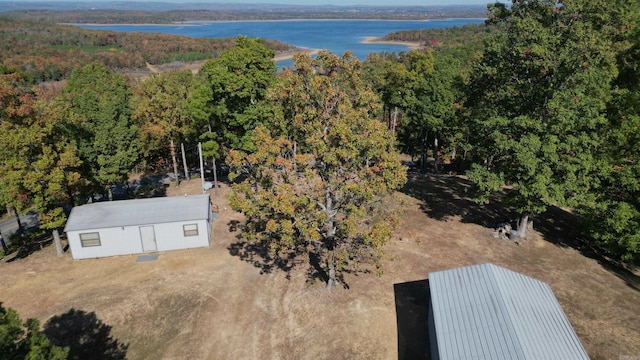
x: 148, y: 236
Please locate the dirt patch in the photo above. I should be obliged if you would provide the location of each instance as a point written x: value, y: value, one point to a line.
x: 209, y: 304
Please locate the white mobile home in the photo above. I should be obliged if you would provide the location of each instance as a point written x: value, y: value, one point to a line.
x: 139, y: 226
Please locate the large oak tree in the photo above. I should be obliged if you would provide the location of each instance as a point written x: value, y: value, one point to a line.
x: 314, y: 183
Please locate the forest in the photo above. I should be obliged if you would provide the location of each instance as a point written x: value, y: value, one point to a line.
x: 541, y: 103
x: 44, y: 51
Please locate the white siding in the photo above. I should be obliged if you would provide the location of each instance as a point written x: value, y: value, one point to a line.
x: 118, y: 223
x: 126, y: 240
x: 171, y: 236
x: 114, y: 241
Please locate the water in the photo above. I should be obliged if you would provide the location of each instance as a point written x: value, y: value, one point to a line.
x: 337, y: 36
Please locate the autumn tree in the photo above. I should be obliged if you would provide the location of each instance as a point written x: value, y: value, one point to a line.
x: 164, y: 113
x: 313, y: 186
x: 539, y: 95
x: 54, y: 176
x: 240, y: 79
x: 39, y: 161
x: 15, y: 108
x: 99, y: 113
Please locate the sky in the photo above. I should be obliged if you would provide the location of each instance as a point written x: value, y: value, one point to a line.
x: 303, y: 2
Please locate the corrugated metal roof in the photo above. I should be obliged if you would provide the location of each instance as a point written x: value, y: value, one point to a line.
x: 138, y: 212
x: 489, y: 312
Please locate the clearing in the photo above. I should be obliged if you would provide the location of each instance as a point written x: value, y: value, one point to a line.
x: 221, y: 303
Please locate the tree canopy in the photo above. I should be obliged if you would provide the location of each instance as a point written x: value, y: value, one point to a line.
x: 314, y: 183
x: 240, y: 79
x: 539, y: 96
x: 99, y: 115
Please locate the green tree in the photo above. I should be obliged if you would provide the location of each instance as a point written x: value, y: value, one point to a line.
x: 613, y: 221
x: 240, y: 79
x: 389, y: 78
x: 20, y: 340
x: 433, y: 103
x: 313, y: 186
x: 99, y: 112
x: 538, y: 99
x: 165, y: 113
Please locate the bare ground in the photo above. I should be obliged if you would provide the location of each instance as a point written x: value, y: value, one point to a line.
x: 210, y: 304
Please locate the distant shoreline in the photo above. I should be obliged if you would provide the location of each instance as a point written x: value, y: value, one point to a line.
x: 412, y: 45
x: 286, y: 55
x: 195, y: 22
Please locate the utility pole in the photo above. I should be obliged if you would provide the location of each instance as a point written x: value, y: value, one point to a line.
x: 175, y: 162
x: 184, y: 163
x: 201, y: 166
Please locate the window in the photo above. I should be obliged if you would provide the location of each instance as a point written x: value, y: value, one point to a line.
x: 90, y: 239
x: 190, y: 229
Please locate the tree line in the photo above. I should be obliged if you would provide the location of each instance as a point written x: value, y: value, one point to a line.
x: 544, y: 105
x: 163, y: 13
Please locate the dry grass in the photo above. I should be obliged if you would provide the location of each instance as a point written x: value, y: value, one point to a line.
x: 209, y: 304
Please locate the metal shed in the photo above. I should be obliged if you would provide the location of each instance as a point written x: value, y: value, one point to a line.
x: 489, y: 312
x: 139, y: 226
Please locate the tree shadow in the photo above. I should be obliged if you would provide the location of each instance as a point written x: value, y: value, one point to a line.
x: 86, y: 336
x: 412, y: 310
x: 259, y: 255
x: 25, y: 244
x: 564, y: 228
x: 443, y: 197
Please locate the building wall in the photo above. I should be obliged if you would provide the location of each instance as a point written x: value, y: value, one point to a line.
x: 126, y: 240
x: 114, y: 241
x: 171, y: 236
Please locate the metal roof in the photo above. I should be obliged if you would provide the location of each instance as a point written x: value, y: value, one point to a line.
x: 138, y: 212
x: 489, y: 312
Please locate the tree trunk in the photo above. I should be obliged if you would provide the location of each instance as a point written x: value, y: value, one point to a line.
x: 394, y: 122
x: 110, y: 194
x: 9, y: 212
x: 453, y: 153
x: 175, y: 162
x: 522, y: 226
x: 184, y: 162
x: 435, y: 153
x: 15, y: 211
x: 331, y: 282
x: 5, y: 250
x: 330, y: 233
x: 56, y: 240
x: 215, y: 178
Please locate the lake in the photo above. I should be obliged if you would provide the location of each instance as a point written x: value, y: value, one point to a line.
x: 337, y: 36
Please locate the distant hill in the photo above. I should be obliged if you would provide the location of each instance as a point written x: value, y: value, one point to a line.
x: 44, y: 51
x: 160, y: 12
